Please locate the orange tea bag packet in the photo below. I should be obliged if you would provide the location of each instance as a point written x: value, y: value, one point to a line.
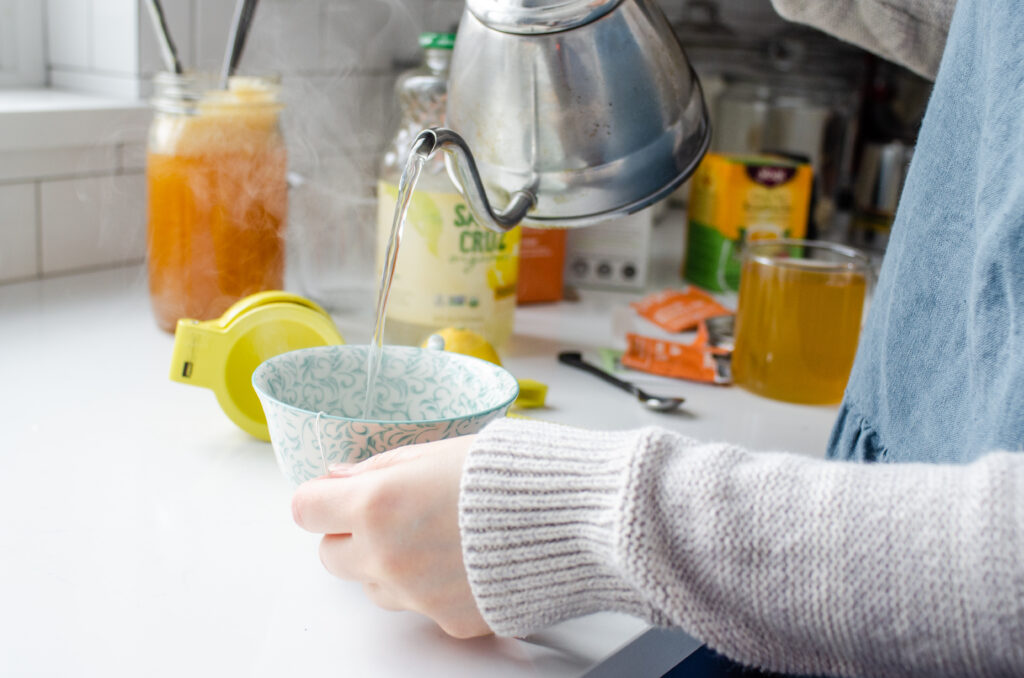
x: 698, y: 361
x: 679, y: 310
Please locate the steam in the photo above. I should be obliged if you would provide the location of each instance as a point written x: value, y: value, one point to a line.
x: 339, y: 61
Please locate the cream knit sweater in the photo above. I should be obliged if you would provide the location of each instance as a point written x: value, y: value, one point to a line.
x: 778, y: 561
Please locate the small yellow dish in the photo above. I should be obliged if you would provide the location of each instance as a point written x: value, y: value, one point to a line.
x: 222, y: 354
x: 532, y: 394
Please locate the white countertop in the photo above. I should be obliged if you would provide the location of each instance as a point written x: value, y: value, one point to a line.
x: 143, y: 534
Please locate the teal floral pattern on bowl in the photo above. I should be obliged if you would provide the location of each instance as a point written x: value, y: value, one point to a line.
x: 315, y: 396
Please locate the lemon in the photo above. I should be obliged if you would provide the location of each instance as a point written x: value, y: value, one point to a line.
x: 467, y: 342
x: 532, y: 393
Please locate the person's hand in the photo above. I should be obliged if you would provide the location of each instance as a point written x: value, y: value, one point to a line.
x: 392, y: 523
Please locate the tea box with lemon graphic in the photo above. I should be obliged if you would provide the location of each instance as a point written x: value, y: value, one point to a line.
x: 741, y: 198
x: 451, y: 271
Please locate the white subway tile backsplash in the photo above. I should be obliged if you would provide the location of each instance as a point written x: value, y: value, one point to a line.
x: 57, y: 162
x: 95, y: 221
x: 19, y: 256
x: 67, y: 32
x: 115, y: 45
x: 284, y: 38
x: 368, y: 35
x: 132, y: 157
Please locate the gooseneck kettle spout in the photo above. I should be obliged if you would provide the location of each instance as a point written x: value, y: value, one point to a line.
x: 464, y: 173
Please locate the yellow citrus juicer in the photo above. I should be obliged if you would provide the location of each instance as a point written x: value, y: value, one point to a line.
x: 222, y: 354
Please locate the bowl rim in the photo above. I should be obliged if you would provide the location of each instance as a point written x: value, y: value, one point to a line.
x: 455, y: 356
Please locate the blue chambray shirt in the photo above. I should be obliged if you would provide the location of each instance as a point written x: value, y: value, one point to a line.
x: 939, y: 374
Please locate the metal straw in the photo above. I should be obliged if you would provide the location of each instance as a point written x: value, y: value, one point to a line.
x: 244, y: 9
x: 163, y: 36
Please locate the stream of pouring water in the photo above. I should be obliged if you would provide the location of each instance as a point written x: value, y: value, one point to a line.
x: 410, y: 175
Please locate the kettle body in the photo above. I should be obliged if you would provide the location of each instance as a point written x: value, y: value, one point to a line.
x: 590, y: 108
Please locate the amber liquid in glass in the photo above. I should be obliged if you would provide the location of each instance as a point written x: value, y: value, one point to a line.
x: 217, y: 210
x: 797, y: 327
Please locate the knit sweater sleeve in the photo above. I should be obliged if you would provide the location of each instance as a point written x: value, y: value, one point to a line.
x: 776, y: 560
x: 910, y: 32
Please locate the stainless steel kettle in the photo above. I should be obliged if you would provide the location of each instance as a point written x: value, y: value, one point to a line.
x: 568, y: 111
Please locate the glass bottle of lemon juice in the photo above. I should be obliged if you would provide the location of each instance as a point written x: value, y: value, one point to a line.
x: 451, y: 271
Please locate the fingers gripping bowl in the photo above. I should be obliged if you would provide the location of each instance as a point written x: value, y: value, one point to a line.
x: 314, y: 400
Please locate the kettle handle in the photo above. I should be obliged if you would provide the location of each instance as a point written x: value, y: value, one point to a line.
x: 464, y: 173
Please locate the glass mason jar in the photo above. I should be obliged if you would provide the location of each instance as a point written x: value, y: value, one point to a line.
x: 217, y: 195
x: 451, y: 271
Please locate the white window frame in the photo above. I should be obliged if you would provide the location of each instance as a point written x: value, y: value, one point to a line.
x: 22, y: 44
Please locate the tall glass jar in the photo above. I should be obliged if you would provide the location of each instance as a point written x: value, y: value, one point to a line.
x: 451, y: 271
x: 217, y: 195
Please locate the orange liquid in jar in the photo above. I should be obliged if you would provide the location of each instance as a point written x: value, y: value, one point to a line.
x: 797, y: 329
x: 217, y: 211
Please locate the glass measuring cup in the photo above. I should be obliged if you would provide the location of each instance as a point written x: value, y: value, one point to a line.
x: 798, y: 319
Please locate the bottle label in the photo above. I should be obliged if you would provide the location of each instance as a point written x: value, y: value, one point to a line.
x: 451, y: 271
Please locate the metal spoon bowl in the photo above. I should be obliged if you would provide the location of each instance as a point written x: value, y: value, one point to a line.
x: 651, y: 402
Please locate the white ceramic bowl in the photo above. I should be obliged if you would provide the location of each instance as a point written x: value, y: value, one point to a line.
x: 314, y: 399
